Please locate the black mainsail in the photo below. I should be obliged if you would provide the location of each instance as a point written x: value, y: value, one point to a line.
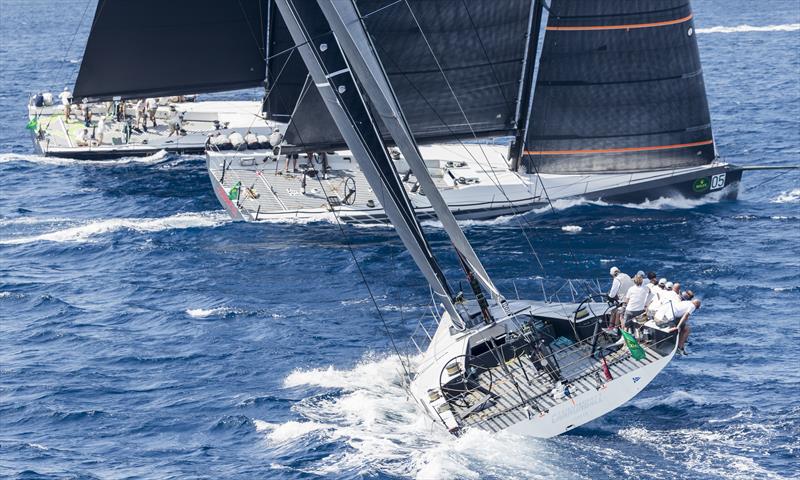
x: 151, y: 48
x: 620, y: 88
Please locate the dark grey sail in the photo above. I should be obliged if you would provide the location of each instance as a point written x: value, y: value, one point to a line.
x: 620, y: 88
x: 458, y: 79
x: 286, y: 72
x: 149, y: 48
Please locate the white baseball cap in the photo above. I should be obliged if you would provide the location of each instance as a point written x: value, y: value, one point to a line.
x: 668, y: 285
x: 613, y: 271
x: 662, y: 282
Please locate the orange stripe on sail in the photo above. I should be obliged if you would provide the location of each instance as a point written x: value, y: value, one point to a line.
x: 625, y: 27
x: 618, y: 150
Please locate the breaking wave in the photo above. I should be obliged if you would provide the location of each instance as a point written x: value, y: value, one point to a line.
x: 382, y: 431
x: 789, y: 27
x: 788, y: 197
x: 572, y: 228
x: 208, y: 312
x: 85, y: 232
x: 152, y: 159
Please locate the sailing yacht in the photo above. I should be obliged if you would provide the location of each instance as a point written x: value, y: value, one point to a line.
x: 514, y: 103
x: 602, y: 102
x: 532, y: 367
x: 583, y: 89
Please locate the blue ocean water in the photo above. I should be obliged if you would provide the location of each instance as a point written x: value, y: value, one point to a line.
x: 144, y: 335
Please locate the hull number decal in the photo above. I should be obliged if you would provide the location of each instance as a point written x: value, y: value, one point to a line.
x: 717, y: 181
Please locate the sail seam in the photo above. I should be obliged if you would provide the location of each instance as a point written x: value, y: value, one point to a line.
x: 620, y: 150
x: 629, y: 26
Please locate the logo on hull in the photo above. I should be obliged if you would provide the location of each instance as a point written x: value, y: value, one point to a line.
x: 701, y: 185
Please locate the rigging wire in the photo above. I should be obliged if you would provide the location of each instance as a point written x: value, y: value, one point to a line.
x: 364, y: 278
x: 75, y: 34
x: 494, y: 180
x: 361, y: 273
x: 469, y: 124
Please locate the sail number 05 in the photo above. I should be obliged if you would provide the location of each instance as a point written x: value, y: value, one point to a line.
x: 717, y: 181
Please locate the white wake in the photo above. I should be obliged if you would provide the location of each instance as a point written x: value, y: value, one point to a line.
x: 386, y: 433
x: 153, y: 159
x: 789, y: 27
x: 93, y: 228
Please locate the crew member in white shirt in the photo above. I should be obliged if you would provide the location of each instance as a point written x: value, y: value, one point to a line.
x: 619, y: 285
x: 636, y: 299
x: 66, y: 101
x: 656, y: 298
x: 152, y: 109
x: 679, y: 314
x: 252, y: 140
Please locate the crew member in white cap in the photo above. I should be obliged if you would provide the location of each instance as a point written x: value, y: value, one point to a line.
x: 620, y: 285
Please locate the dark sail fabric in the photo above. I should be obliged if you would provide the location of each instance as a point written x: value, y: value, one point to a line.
x: 286, y: 72
x: 620, y: 87
x: 148, y: 48
x: 479, y: 46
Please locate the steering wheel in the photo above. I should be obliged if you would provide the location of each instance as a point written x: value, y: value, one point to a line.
x: 349, y: 191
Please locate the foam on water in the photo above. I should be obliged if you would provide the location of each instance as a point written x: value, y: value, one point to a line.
x: 788, y: 197
x: 385, y: 432
x: 207, y: 312
x: 152, y: 159
x: 572, y: 228
x: 31, y: 220
x: 675, y: 398
x: 789, y: 27
x: 84, y: 232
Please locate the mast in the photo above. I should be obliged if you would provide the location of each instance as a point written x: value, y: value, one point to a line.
x: 342, y: 96
x: 525, y: 96
x: 344, y: 20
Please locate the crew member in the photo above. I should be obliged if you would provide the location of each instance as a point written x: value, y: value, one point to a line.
x: 83, y: 139
x: 619, y: 285
x: 152, y: 108
x: 87, y: 114
x: 66, y: 100
x: 174, y: 122
x: 252, y: 140
x: 678, y: 314
x: 141, y: 120
x: 636, y: 300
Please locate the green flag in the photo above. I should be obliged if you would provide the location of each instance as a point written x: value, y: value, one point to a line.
x: 234, y: 193
x: 33, y: 124
x: 636, y: 350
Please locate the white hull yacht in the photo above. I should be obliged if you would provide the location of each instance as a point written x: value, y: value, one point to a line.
x: 475, y: 180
